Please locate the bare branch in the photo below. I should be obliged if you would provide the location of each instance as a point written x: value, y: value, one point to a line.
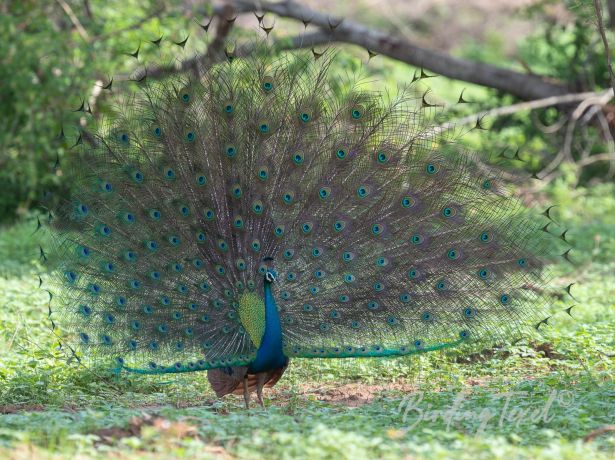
x: 590, y: 105
x: 581, y: 116
x: 588, y: 97
x: 595, y: 158
x: 333, y: 30
x: 526, y: 87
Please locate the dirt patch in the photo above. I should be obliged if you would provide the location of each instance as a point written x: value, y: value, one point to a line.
x: 356, y: 394
x: 165, y: 433
x: 15, y: 408
x: 163, y: 427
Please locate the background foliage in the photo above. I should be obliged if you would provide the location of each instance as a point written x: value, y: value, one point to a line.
x: 48, y: 68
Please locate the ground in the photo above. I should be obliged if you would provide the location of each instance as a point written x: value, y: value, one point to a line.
x: 550, y: 395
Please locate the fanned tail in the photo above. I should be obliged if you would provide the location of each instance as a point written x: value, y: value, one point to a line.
x: 387, y: 238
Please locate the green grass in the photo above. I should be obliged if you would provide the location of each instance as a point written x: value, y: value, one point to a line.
x: 561, y: 377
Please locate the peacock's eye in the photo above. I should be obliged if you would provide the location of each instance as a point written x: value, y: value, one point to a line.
x: 267, y: 84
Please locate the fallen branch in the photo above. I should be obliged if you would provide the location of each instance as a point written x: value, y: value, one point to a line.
x: 331, y: 30
x: 524, y: 86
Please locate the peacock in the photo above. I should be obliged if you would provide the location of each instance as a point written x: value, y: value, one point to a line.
x: 264, y: 208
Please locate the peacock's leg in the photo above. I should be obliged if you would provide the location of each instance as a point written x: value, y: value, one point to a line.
x: 246, y: 393
x: 260, y: 383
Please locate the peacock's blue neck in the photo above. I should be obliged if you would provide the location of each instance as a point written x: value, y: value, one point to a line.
x: 269, y: 355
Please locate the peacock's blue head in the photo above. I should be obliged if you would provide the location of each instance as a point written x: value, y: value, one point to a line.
x: 270, y: 275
